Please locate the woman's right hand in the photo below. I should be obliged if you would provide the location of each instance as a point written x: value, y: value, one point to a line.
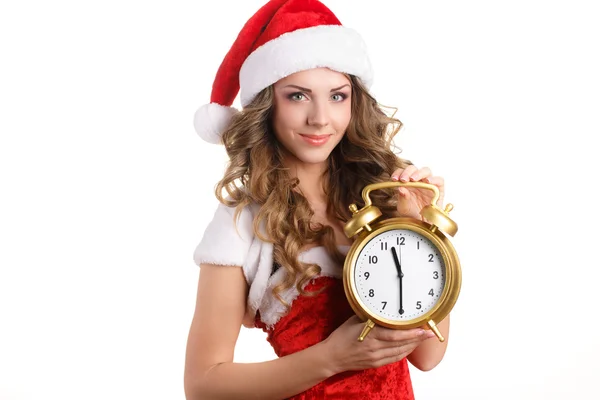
x: 382, y: 345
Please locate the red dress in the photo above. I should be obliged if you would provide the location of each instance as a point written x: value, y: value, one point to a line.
x: 310, y: 321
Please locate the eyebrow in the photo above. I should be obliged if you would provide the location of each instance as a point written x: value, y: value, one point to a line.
x: 310, y: 91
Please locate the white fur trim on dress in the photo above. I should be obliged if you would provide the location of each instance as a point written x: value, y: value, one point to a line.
x: 271, y: 309
x: 226, y: 241
x: 211, y: 120
x: 229, y: 242
x: 336, y: 47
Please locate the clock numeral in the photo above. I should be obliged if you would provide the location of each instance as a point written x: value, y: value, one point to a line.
x: 431, y: 292
x: 372, y: 259
x: 435, y: 275
x: 418, y: 245
x: 383, y: 245
x: 431, y: 258
x: 367, y: 275
x: 400, y: 241
x: 418, y: 305
x: 371, y: 293
x: 384, y: 304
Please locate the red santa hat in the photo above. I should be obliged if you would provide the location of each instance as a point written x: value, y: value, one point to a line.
x: 281, y: 38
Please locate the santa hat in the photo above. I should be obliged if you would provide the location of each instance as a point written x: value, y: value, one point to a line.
x: 281, y: 38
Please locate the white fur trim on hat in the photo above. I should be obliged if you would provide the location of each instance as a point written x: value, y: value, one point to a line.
x: 336, y: 47
x: 211, y: 120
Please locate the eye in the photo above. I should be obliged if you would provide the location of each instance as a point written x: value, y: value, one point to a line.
x: 297, y: 96
x: 337, y: 97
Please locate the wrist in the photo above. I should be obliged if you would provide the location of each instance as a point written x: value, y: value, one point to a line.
x: 324, y: 360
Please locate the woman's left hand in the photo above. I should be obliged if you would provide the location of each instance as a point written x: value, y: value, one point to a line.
x: 411, y: 199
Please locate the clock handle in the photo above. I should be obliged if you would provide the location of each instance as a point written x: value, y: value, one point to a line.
x: 435, y: 330
x: 368, y: 326
x: 383, y: 185
x: 438, y: 218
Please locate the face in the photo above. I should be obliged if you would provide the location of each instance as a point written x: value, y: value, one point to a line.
x: 311, y: 114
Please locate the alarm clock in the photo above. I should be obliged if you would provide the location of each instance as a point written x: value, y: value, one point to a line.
x: 401, y: 272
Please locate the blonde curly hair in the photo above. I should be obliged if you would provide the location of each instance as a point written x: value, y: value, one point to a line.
x: 256, y: 174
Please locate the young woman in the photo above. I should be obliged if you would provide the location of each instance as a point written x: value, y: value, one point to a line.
x: 308, y: 139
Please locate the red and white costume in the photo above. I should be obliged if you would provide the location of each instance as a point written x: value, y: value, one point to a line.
x: 311, y: 318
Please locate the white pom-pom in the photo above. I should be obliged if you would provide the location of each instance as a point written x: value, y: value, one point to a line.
x: 211, y: 120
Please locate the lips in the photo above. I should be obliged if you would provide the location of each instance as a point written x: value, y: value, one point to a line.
x: 316, y: 140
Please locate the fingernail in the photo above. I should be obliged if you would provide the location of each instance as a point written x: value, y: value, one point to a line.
x: 403, y: 179
x: 394, y: 178
x: 420, y: 332
x: 412, y: 179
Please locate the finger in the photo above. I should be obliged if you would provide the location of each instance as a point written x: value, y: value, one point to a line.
x: 409, y: 342
x: 436, y: 180
x: 404, y: 176
x: 394, y: 355
x: 396, y: 335
x: 396, y: 174
x: 354, y: 320
x: 427, y: 334
x: 439, y: 182
x: 392, y: 352
x: 403, y: 192
x: 420, y: 174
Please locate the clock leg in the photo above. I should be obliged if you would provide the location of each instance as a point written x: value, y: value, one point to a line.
x: 368, y: 326
x: 435, y: 330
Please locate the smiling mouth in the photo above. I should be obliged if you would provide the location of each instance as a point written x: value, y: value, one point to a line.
x: 315, y: 140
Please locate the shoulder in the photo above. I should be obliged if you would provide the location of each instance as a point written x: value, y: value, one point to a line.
x: 227, y: 237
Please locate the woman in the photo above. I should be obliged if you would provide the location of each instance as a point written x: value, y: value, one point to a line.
x: 308, y: 139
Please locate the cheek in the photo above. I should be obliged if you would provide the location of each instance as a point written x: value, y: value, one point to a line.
x: 342, y: 117
x: 288, y: 116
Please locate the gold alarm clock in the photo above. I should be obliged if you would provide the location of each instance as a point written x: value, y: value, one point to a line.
x: 401, y: 273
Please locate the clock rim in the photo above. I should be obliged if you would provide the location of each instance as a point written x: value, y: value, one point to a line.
x: 453, y: 273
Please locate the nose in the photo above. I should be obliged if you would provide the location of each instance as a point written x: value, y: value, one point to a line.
x: 319, y: 114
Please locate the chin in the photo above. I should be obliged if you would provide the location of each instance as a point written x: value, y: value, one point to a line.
x: 316, y: 157
x: 314, y: 160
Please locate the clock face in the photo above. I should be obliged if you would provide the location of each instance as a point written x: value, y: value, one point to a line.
x: 399, y: 275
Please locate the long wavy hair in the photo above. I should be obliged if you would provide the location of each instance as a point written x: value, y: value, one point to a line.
x: 256, y: 174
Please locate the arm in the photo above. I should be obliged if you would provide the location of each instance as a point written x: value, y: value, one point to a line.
x: 429, y: 353
x: 210, y: 372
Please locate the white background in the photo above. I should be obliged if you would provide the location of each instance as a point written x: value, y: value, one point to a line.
x: 105, y: 188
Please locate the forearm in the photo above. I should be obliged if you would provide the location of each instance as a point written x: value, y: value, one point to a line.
x: 276, y: 379
x: 431, y: 352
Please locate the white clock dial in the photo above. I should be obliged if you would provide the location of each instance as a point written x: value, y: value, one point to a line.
x: 388, y: 293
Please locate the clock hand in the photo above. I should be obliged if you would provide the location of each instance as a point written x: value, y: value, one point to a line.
x: 401, y: 278
x: 400, y: 275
